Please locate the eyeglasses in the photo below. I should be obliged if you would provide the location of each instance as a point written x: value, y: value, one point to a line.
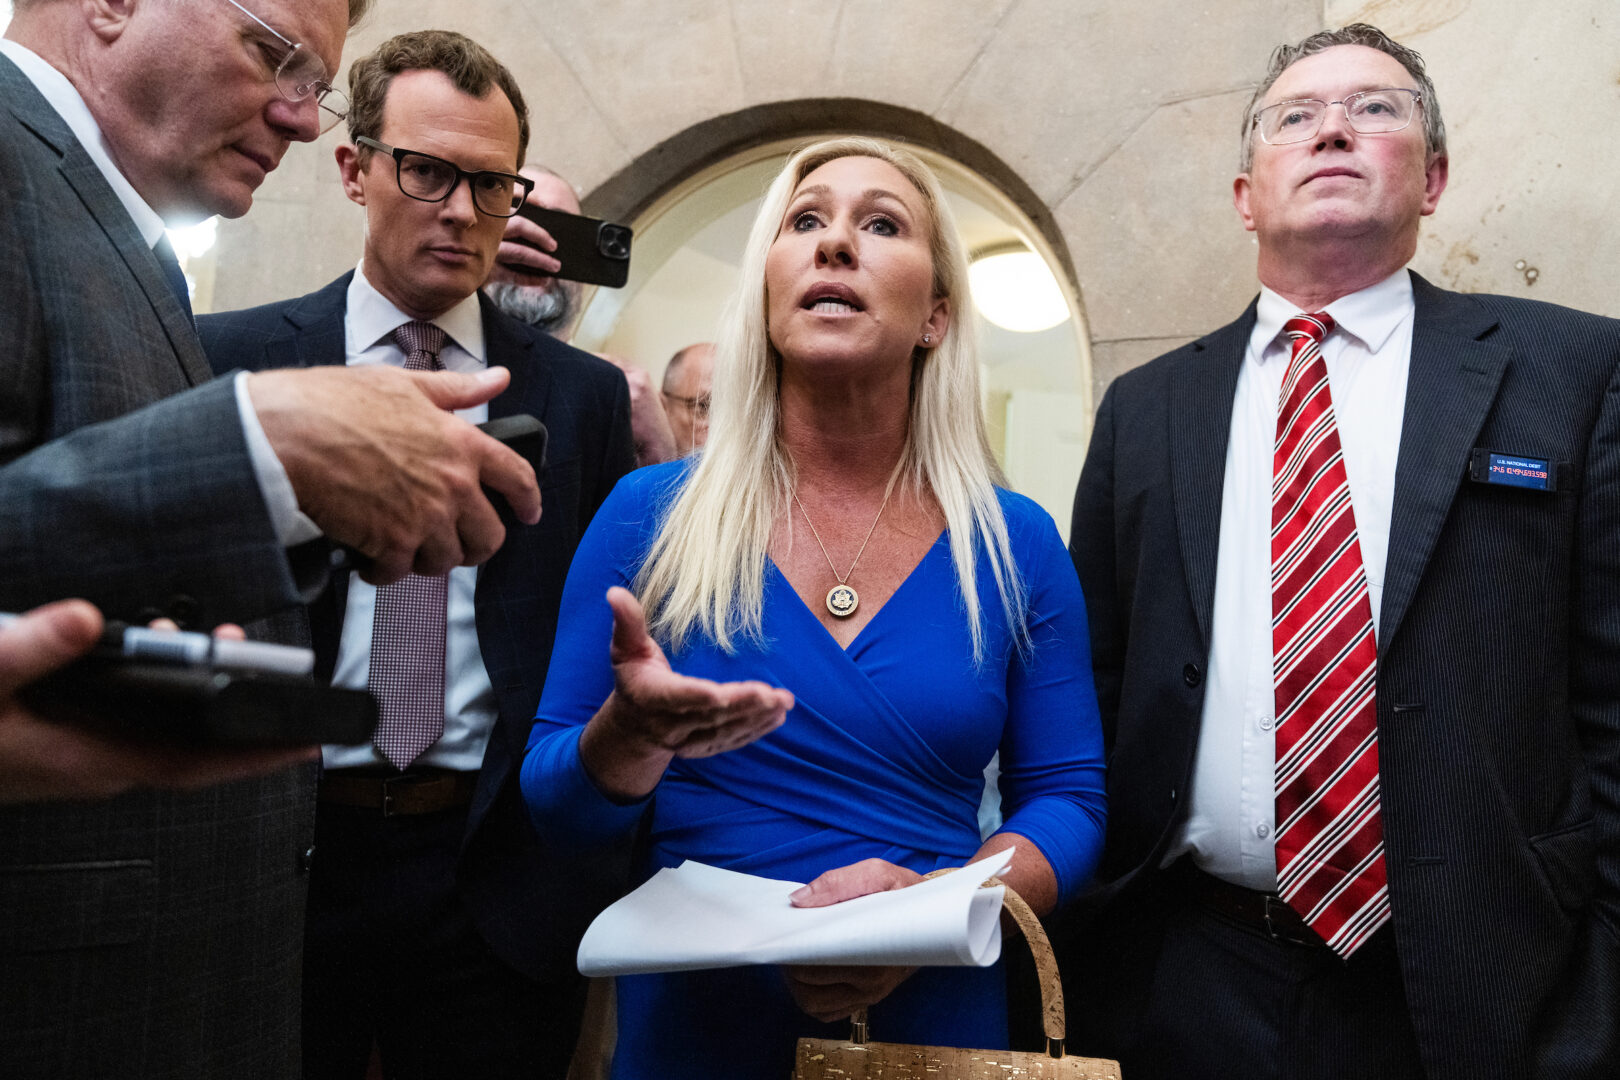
x: 697, y: 406
x: 1370, y: 112
x: 432, y: 179
x: 301, y: 74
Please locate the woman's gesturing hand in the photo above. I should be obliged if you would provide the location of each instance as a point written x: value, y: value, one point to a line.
x: 832, y: 993
x: 656, y: 714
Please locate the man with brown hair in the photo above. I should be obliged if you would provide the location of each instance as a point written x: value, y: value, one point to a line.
x: 1352, y: 566
x: 156, y: 933
x: 436, y: 929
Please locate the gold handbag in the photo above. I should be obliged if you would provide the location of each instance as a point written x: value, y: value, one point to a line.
x: 860, y: 1059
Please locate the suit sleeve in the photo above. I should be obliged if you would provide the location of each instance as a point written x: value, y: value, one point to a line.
x: 156, y: 509
x: 1092, y: 547
x: 1581, y: 1033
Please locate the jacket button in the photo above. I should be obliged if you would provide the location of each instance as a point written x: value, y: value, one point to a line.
x: 306, y: 859
x: 1191, y: 675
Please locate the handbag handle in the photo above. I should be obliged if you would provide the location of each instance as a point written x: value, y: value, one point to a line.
x: 1046, y: 969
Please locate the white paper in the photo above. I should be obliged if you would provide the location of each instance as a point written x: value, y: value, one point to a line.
x: 696, y: 916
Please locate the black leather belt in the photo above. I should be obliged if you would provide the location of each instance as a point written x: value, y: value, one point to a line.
x: 1263, y: 911
x: 421, y: 791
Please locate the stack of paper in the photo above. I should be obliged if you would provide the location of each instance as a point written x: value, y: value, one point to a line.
x: 696, y: 916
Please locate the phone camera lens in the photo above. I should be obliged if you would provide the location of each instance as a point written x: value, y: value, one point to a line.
x: 613, y: 241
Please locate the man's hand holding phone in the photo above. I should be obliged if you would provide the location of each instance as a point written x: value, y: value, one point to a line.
x: 525, y: 255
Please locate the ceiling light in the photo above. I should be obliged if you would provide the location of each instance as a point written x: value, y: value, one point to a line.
x: 1016, y: 291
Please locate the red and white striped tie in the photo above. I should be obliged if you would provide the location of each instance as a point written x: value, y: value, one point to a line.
x: 1329, y: 835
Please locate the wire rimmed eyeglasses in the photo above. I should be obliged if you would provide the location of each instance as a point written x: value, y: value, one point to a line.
x: 301, y: 74
x: 697, y: 406
x: 1369, y: 112
x: 432, y: 179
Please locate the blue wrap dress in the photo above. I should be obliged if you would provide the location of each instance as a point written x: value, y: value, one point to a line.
x: 883, y: 756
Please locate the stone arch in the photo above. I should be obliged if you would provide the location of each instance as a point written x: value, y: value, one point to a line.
x: 653, y: 173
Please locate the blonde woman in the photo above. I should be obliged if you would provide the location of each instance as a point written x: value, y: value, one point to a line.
x: 822, y: 630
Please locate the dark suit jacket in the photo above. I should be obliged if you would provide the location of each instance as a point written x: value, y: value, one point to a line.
x: 532, y: 913
x: 1498, y: 664
x: 155, y: 934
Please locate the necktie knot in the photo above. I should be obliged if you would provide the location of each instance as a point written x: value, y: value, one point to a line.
x: 421, y: 342
x: 1316, y: 327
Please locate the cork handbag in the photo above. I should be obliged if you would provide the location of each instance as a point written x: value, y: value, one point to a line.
x: 860, y: 1059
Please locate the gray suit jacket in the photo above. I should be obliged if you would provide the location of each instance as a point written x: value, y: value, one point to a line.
x: 153, y: 934
x: 1498, y: 666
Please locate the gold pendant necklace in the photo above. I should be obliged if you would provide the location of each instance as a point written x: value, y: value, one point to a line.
x: 842, y: 599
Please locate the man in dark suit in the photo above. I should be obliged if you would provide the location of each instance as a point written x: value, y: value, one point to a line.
x: 1354, y: 588
x: 436, y: 928
x: 156, y: 934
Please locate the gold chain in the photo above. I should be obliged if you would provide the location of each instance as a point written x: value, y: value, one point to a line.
x: 844, y: 579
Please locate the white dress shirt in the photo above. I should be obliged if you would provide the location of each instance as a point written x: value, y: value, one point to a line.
x: 469, y: 701
x: 1230, y: 817
x: 290, y: 526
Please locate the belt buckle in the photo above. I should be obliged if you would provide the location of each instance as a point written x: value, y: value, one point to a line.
x: 1272, y: 929
x: 388, y: 795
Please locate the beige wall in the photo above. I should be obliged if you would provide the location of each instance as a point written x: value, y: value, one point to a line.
x: 1119, y: 116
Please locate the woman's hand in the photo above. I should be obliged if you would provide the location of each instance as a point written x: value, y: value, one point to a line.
x: 655, y: 714
x: 833, y: 993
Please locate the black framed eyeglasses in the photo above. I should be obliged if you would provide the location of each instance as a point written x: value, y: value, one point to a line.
x: 432, y: 179
x: 1370, y: 112
x: 301, y: 74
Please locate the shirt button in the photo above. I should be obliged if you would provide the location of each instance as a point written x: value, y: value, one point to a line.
x: 1191, y: 675
x: 1265, y: 723
x: 1262, y: 830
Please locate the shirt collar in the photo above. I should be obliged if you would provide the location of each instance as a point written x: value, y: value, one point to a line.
x: 372, y: 317
x: 1369, y: 315
x: 55, y: 88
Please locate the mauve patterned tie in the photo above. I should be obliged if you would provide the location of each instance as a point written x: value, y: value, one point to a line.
x: 1329, y: 837
x: 407, y: 634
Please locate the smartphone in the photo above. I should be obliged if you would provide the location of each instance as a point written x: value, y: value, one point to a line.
x: 201, y: 704
x: 591, y: 250
x: 523, y: 433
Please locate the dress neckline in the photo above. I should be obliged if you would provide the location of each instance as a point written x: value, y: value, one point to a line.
x: 848, y: 650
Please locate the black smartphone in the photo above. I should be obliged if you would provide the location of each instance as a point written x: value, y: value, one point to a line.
x: 201, y: 704
x: 523, y: 433
x: 527, y: 436
x: 591, y: 250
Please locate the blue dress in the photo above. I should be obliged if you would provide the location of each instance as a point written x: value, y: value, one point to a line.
x: 882, y: 757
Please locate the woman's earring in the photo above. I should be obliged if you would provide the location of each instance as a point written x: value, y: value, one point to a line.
x: 928, y: 339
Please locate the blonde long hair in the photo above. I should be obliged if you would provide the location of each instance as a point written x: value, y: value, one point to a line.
x: 706, y: 569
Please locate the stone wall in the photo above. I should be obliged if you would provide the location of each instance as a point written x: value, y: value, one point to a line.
x: 1120, y: 118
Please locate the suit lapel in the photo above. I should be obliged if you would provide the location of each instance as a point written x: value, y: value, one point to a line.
x: 101, y: 202
x: 314, y: 332
x: 1451, y: 386
x: 505, y: 347
x: 1200, y: 427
